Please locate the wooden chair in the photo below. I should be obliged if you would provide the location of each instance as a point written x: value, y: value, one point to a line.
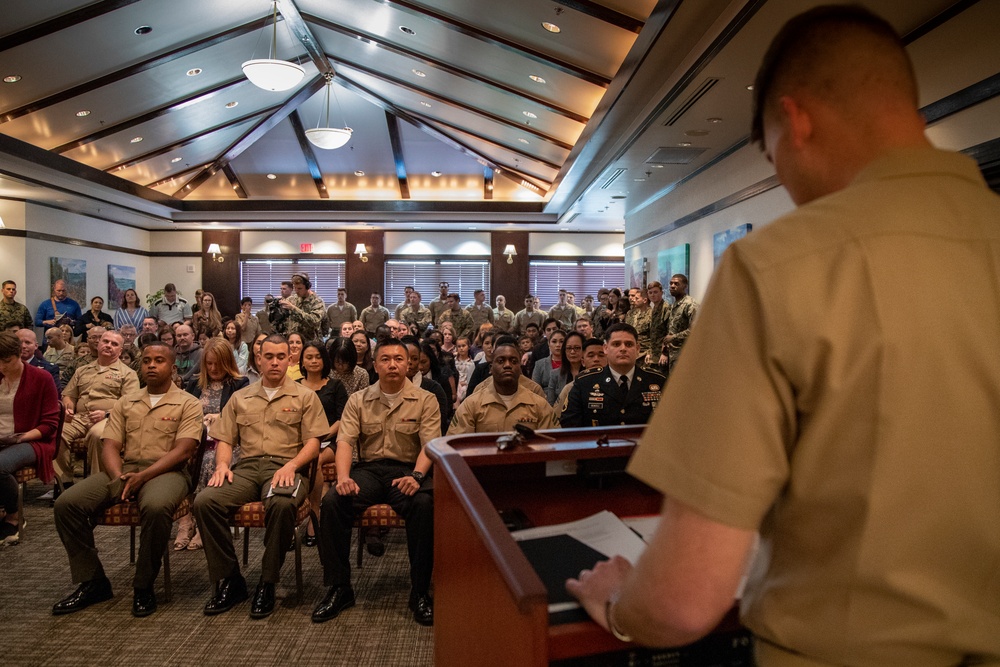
x: 376, y: 516
x: 126, y: 514
x: 251, y: 515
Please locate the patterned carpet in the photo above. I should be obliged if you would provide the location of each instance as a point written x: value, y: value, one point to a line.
x: 35, y: 574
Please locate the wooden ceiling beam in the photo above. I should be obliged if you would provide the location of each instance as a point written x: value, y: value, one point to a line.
x: 307, y: 152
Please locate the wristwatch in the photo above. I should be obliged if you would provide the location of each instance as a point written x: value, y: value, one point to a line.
x: 417, y: 475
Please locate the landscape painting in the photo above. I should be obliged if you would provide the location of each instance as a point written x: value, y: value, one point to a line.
x: 120, y: 278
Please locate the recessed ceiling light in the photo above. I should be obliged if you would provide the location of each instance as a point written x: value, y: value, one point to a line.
x: 750, y: 87
x: 536, y: 78
x: 435, y: 174
x: 656, y: 166
x: 176, y: 159
x: 13, y: 78
x: 143, y: 30
x: 638, y: 180
x: 551, y: 27
x: 358, y: 172
x: 135, y: 140
x: 714, y: 120
x: 522, y: 140
x: 418, y: 73
x: 425, y: 104
x: 83, y: 113
x: 194, y: 71
x: 685, y: 144
x: 529, y: 114
x: 408, y: 31
x: 271, y: 177
x: 697, y: 133
x: 230, y: 105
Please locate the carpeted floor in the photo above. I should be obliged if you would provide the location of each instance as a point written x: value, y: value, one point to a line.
x: 35, y: 574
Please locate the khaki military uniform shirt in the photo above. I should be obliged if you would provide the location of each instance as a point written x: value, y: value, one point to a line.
x: 486, y: 412
x: 503, y: 321
x: 480, y: 315
x: 94, y: 389
x: 524, y: 318
x: 565, y: 314
x: 372, y: 318
x: 149, y: 432
x: 337, y: 315
x: 61, y: 358
x: 459, y: 319
x: 275, y: 427
x: 817, y: 409
x: 437, y: 306
x: 522, y: 381
x: 376, y: 431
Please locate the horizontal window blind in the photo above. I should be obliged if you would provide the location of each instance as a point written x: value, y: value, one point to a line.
x: 545, y: 279
x: 425, y: 275
x: 263, y: 276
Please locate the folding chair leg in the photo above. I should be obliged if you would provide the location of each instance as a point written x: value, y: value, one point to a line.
x: 166, y: 573
x: 361, y: 544
x: 21, y: 489
x: 131, y: 554
x: 246, y: 545
x: 298, y: 560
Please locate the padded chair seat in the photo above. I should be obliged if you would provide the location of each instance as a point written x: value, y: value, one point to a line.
x: 251, y: 515
x: 25, y: 475
x: 127, y: 513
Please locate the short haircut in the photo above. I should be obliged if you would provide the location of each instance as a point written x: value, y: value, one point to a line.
x: 505, y: 339
x: 341, y: 289
x: 287, y: 282
x: 621, y: 326
x: 9, y: 282
x: 246, y: 299
x: 655, y: 283
x: 410, y: 340
x: 590, y: 342
x: 528, y: 297
x: 388, y: 342
x: 170, y: 287
x: 809, y: 49
x: 531, y: 325
x: 275, y: 338
x: 680, y: 276
x: 170, y: 351
x: 551, y: 320
x: 146, y: 339
x: 454, y: 296
x: 583, y: 318
x: 478, y: 291
x: 10, y: 345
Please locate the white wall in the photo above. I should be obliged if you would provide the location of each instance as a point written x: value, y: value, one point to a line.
x: 434, y: 244
x: 287, y: 243
x: 12, y: 249
x: 552, y: 244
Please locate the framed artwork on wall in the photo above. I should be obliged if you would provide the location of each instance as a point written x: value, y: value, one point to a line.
x: 673, y: 260
x: 722, y: 240
x: 120, y: 278
x: 74, y: 273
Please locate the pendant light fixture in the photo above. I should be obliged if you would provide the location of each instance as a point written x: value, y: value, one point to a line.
x: 326, y: 137
x: 270, y: 73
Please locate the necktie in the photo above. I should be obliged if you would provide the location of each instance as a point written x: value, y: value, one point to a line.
x: 623, y: 383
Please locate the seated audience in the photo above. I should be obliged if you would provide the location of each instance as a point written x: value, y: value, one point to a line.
x: 31, y: 356
x: 295, y: 344
x: 593, y: 357
x: 549, y: 365
x: 241, y: 351
x: 344, y: 357
x: 57, y: 350
x: 29, y: 420
x: 570, y: 364
x: 159, y: 428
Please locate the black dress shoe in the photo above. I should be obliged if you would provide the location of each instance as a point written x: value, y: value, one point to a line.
x: 88, y: 593
x: 374, y: 544
x: 423, y: 608
x: 309, y: 541
x: 143, y: 602
x: 337, y: 599
x: 231, y: 592
x: 263, y: 601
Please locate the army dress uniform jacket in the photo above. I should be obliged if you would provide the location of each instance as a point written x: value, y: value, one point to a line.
x: 597, y: 400
x: 486, y: 412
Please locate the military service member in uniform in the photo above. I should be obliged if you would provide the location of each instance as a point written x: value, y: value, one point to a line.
x: 11, y: 312
x: 564, y: 312
x: 340, y: 312
x: 505, y: 403
x: 459, y: 318
x: 528, y: 315
x: 620, y: 393
x: 479, y: 311
x: 374, y: 315
x: 640, y: 316
x: 277, y: 423
x: 159, y: 427
x: 440, y: 304
x: 415, y: 314
x: 89, y: 397
x: 503, y: 317
x: 681, y: 317
x: 388, y: 424
x: 306, y: 310
x: 593, y: 357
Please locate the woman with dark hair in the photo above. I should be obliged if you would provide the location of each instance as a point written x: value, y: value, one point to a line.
x: 207, y: 319
x: 214, y: 385
x: 253, y: 369
x: 166, y: 335
x: 332, y: 394
x: 233, y: 334
x: 546, y: 367
x: 344, y: 358
x: 363, y: 346
x: 95, y: 317
x: 29, y: 419
x: 615, y: 310
x: 130, y: 311
x: 430, y: 364
x: 570, y: 366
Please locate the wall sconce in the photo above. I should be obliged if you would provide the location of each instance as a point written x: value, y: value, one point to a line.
x: 360, y: 251
x: 510, y: 251
x: 216, y: 252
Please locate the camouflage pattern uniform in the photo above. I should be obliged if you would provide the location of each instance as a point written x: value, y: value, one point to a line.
x: 306, y: 318
x: 682, y: 315
x: 460, y: 319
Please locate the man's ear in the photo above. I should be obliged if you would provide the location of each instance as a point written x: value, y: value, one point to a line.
x: 798, y: 120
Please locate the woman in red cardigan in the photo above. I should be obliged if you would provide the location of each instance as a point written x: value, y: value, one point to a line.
x: 29, y: 419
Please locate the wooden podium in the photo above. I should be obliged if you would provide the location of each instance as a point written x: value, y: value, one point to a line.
x: 490, y: 607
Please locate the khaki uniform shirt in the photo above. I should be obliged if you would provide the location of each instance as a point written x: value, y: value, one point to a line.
x: 522, y: 381
x: 336, y: 316
x: 486, y: 412
x: 376, y: 431
x: 93, y: 389
x: 566, y: 314
x: 503, y: 321
x: 480, y: 315
x: 61, y: 358
x: 817, y: 409
x: 148, y: 433
x: 524, y: 318
x: 372, y: 318
x: 275, y: 427
x: 460, y: 319
x: 437, y: 306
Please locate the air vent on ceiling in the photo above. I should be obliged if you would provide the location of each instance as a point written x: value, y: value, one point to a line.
x: 614, y: 176
x: 706, y: 86
x: 570, y: 219
x: 675, y: 155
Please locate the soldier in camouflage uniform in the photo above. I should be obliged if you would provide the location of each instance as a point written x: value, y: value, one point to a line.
x: 682, y: 315
x: 640, y: 316
x: 306, y: 310
x: 659, y: 313
x: 12, y: 312
x: 414, y: 313
x: 460, y: 319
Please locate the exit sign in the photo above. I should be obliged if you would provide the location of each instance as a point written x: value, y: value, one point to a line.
x: 305, y: 247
